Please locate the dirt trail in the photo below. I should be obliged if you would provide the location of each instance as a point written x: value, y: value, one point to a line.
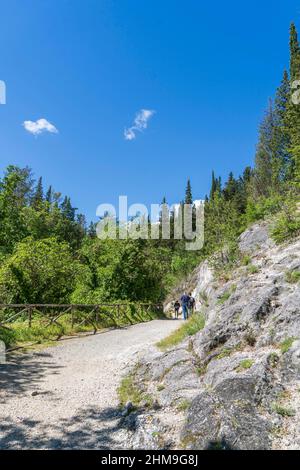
x: 66, y: 396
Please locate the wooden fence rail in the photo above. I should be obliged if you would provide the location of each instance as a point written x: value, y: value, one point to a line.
x: 78, y: 314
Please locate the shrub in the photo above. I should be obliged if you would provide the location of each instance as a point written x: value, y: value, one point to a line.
x: 7, y: 336
x: 263, y: 208
x: 287, y: 224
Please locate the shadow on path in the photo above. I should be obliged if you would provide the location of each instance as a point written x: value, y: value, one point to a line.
x: 23, y: 373
x: 89, y: 429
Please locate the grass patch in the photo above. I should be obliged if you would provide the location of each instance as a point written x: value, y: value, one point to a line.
x: 128, y: 391
x: 283, y: 411
x: 292, y: 277
x: 225, y: 353
x: 252, y: 269
x: 201, y: 369
x: 204, y: 297
x: 189, y: 328
x: 184, y: 405
x: 286, y: 345
x: 246, y: 260
x: 226, y: 295
x: 244, y: 365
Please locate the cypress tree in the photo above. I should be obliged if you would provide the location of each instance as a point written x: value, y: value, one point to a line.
x: 188, y: 193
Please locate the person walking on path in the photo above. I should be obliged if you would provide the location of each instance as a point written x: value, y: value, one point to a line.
x: 191, y: 304
x: 176, y: 308
x: 185, y: 305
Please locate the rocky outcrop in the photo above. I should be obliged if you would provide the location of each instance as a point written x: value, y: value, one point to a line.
x: 236, y: 383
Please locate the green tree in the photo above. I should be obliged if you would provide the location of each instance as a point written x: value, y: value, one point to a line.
x: 267, y: 155
x: 294, y: 54
x: 293, y: 113
x: 15, y: 194
x: 38, y: 195
x: 49, y: 195
x: 38, y: 271
x: 188, y: 193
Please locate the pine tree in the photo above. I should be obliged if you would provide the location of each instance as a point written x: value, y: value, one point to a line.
x: 67, y: 210
x: 188, y: 193
x: 49, y: 195
x: 214, y: 183
x: 91, y: 232
x: 266, y: 158
x: 282, y: 166
x: 231, y: 187
x: 38, y: 195
x: 294, y: 54
x: 293, y: 113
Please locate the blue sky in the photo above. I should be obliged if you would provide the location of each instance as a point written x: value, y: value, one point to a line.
x: 206, y: 68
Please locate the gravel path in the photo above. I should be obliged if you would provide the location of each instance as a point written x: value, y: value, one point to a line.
x: 66, y: 396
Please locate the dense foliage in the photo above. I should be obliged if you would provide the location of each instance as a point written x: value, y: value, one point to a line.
x: 48, y: 255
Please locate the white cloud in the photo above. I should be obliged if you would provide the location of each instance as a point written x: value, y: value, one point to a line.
x: 139, y: 124
x: 39, y: 126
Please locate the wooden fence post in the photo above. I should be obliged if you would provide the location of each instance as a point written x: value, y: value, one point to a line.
x: 29, y: 317
x: 72, y: 316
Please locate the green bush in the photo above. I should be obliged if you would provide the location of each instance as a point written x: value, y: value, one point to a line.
x: 266, y: 206
x: 287, y: 224
x: 7, y: 336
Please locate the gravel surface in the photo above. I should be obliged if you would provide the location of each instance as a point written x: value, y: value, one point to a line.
x: 66, y: 396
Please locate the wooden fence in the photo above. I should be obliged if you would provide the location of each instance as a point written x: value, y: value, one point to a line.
x: 77, y: 314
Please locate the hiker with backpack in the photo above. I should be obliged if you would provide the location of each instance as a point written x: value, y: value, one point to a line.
x: 185, y: 305
x: 191, y: 304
